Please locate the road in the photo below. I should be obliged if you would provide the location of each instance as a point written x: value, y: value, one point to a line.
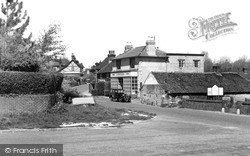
x: 173, y: 132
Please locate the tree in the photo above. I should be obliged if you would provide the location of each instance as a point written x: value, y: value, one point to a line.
x: 49, y: 45
x: 239, y: 64
x: 225, y: 64
x: 16, y: 52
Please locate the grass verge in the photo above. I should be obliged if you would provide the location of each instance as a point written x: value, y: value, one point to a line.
x: 53, y: 118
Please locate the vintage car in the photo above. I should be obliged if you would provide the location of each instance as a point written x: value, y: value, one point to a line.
x: 119, y: 95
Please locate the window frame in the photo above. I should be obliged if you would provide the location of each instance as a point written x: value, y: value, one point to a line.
x: 118, y: 64
x: 181, y: 63
x: 132, y: 62
x: 196, y: 63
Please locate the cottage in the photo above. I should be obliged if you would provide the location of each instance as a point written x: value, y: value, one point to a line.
x: 162, y: 87
x: 131, y: 68
x: 73, y: 68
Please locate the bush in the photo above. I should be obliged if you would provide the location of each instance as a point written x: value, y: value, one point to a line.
x: 100, y: 88
x: 94, y: 92
x: 30, y: 83
x: 107, y: 87
x: 69, y: 93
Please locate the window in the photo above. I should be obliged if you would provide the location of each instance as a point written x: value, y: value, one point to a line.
x: 132, y: 62
x: 118, y: 64
x: 134, y: 84
x: 181, y: 63
x: 196, y: 63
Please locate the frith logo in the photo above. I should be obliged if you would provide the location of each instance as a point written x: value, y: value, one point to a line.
x: 210, y: 28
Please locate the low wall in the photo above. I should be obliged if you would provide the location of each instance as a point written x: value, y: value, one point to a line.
x: 16, y: 104
x: 211, y: 105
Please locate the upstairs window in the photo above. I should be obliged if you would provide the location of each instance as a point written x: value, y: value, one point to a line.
x: 181, y: 63
x: 196, y: 63
x: 118, y: 64
x: 132, y: 62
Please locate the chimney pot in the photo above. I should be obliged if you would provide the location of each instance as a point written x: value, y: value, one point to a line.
x: 111, y: 55
x: 128, y: 47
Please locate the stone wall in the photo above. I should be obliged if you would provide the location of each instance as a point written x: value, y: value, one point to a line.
x: 173, y: 65
x: 151, y: 95
x: 17, y: 104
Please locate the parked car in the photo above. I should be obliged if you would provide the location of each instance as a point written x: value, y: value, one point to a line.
x: 119, y: 95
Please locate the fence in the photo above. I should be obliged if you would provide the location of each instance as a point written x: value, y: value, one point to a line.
x: 200, y: 104
x: 25, y: 103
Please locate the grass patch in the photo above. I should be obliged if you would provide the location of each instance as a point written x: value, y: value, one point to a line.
x: 65, y: 113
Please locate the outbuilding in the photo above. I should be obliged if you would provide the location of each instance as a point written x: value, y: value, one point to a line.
x: 163, y: 87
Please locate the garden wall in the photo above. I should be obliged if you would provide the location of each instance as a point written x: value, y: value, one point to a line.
x: 211, y: 105
x: 25, y: 103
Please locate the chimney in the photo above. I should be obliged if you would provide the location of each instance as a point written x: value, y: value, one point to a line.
x: 150, y: 46
x: 128, y: 47
x: 73, y: 57
x: 216, y: 68
x: 111, y: 55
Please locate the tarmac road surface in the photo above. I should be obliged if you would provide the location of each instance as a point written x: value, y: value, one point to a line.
x: 173, y: 132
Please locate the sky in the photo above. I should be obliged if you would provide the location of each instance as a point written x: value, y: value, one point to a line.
x: 91, y: 28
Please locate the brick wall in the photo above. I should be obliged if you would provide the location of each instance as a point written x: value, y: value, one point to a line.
x: 25, y: 103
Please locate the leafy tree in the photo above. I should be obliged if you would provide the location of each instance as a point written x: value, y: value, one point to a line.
x: 225, y: 64
x: 239, y: 64
x: 16, y: 52
x: 49, y: 45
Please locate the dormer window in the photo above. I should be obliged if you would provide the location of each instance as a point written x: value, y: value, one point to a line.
x: 132, y: 62
x: 118, y: 64
x: 181, y: 63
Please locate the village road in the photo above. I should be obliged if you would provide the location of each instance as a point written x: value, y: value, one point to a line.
x: 173, y: 132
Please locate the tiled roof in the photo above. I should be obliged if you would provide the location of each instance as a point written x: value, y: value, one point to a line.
x: 140, y: 51
x: 102, y: 64
x: 199, y: 82
x: 107, y: 68
x: 76, y: 62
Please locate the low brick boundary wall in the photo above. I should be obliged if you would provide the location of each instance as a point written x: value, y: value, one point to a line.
x: 211, y: 105
x: 17, y: 104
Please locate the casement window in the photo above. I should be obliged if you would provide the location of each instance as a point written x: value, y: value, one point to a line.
x: 134, y: 84
x: 118, y: 64
x: 196, y: 63
x: 132, y: 62
x: 181, y: 63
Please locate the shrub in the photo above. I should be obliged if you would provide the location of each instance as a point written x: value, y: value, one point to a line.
x: 94, y: 92
x: 69, y: 93
x: 107, y: 87
x: 29, y: 83
x: 100, y: 88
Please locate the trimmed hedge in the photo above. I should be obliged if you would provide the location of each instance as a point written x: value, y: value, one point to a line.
x: 99, y: 89
x: 30, y: 83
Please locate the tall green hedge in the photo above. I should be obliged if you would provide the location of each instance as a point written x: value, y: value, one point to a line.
x: 30, y: 83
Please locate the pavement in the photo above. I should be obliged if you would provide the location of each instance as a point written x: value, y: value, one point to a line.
x: 87, y: 97
x: 174, y: 132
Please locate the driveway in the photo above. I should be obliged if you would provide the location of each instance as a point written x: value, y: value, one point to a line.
x: 172, y: 132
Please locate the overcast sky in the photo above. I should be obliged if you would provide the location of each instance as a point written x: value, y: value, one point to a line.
x: 90, y: 28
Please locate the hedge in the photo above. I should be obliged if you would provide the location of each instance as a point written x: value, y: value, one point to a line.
x: 29, y: 82
x: 99, y: 89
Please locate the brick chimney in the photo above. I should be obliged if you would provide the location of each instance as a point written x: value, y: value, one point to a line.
x: 150, y: 46
x: 73, y: 57
x: 216, y: 68
x: 128, y: 47
x: 111, y: 55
